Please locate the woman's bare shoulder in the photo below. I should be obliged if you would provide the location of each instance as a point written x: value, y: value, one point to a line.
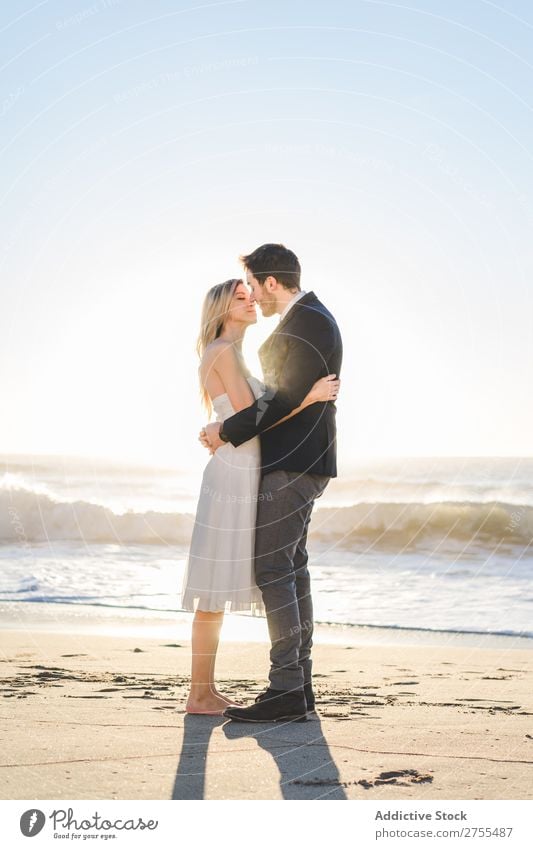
x: 217, y: 345
x: 216, y: 351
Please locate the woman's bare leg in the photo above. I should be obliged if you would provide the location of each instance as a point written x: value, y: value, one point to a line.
x: 205, y: 638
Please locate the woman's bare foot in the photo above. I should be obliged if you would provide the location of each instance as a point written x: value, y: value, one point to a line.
x: 228, y: 701
x: 210, y: 701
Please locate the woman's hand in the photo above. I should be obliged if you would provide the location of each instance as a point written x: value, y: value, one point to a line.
x: 203, y: 440
x: 325, y: 389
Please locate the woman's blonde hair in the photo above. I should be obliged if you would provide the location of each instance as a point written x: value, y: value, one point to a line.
x: 215, y: 311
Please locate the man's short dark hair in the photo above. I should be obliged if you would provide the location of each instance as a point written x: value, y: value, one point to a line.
x: 274, y: 261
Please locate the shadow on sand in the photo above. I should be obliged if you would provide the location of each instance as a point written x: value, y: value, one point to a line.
x: 299, y: 750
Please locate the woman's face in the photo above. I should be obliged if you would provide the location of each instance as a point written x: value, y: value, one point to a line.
x: 242, y: 307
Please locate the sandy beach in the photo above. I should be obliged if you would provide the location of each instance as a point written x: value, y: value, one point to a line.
x: 99, y: 716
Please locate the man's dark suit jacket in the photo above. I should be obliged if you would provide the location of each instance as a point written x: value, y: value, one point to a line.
x: 305, y: 346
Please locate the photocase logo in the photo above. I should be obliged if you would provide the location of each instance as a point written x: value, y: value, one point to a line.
x: 31, y: 822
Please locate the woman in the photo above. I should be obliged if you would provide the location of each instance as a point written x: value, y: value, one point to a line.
x: 220, y: 568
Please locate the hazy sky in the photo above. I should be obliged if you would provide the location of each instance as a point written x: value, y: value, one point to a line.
x: 145, y: 145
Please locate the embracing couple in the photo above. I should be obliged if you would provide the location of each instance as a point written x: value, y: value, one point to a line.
x: 273, y: 452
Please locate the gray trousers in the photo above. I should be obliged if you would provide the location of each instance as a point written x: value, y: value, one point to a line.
x: 284, y: 510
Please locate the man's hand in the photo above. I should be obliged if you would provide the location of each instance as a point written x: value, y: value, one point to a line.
x: 209, y: 436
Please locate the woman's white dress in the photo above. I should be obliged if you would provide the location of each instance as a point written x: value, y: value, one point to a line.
x: 219, y: 574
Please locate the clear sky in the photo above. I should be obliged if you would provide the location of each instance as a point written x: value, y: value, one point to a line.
x: 145, y: 145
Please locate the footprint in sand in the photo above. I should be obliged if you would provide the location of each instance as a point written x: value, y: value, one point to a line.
x: 410, y: 776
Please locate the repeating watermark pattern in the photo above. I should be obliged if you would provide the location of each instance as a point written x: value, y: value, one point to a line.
x: 229, y: 498
x: 263, y: 403
x: 186, y: 73
x: 332, y: 152
x: 307, y: 625
x: 10, y: 101
x: 84, y: 14
x: 437, y: 154
x: 516, y: 518
x: 18, y: 527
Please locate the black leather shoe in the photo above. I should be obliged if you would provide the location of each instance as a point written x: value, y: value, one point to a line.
x: 272, y: 706
x: 309, y: 696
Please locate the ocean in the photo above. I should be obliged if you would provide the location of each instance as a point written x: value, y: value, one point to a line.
x: 434, y: 544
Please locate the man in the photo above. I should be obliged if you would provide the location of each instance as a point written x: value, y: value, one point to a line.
x: 298, y: 458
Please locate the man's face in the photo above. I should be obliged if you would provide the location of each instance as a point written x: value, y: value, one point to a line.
x: 261, y: 295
